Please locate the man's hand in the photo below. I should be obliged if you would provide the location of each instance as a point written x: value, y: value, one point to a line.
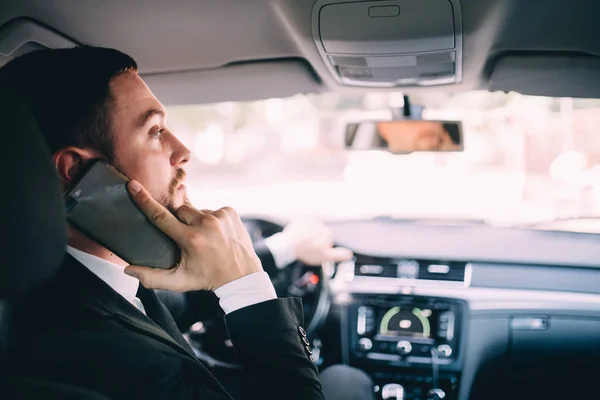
x: 313, y: 243
x: 215, y: 246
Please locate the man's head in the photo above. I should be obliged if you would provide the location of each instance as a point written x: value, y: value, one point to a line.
x: 413, y: 135
x: 90, y: 103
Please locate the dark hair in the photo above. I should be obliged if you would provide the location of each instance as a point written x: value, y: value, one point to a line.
x: 453, y: 131
x: 68, y: 91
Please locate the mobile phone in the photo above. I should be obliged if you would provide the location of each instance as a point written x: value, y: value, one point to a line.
x: 100, y: 206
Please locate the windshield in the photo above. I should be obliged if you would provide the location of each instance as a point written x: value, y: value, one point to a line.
x: 525, y: 159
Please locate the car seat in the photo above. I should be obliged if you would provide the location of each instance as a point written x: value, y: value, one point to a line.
x: 33, y: 238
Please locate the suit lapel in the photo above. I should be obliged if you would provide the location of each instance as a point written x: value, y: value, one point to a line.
x: 158, y: 313
x: 94, y: 293
x: 146, y: 326
x: 75, y: 297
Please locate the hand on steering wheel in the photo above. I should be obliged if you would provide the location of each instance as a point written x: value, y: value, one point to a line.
x: 312, y: 242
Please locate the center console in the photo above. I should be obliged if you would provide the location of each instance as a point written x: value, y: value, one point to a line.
x: 410, y: 345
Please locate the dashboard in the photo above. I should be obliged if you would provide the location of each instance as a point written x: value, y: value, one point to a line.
x: 406, y: 341
x: 465, y: 312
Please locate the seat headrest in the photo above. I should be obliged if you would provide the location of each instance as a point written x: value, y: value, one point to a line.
x: 33, y: 224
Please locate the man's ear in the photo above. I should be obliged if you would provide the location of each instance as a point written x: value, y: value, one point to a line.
x: 70, y: 161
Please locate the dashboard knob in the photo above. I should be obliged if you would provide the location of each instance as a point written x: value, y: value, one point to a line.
x: 365, y: 344
x: 436, y: 394
x: 392, y: 391
x: 403, y: 347
x: 444, y: 350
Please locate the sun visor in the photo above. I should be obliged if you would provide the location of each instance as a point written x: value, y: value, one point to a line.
x: 238, y: 82
x: 390, y: 43
x: 22, y: 35
x: 547, y: 75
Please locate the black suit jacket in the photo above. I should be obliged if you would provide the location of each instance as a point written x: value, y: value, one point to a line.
x: 77, y: 330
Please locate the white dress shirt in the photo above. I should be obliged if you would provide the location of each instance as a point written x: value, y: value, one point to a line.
x: 112, y: 274
x: 243, y: 292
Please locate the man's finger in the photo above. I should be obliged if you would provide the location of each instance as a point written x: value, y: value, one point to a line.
x: 187, y: 214
x: 154, y: 211
x: 339, y: 254
x: 155, y: 278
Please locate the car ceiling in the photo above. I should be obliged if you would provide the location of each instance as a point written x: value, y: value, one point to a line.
x: 197, y: 51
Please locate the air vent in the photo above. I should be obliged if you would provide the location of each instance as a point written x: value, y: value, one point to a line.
x: 413, y: 272
x: 375, y: 267
x: 442, y: 271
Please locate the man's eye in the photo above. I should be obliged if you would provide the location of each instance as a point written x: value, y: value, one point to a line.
x: 156, y: 134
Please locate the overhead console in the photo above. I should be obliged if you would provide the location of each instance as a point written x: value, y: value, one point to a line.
x: 390, y: 43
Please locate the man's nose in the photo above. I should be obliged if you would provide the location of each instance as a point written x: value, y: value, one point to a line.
x: 180, y: 155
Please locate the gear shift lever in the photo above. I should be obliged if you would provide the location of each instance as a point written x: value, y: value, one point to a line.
x: 435, y: 393
x: 392, y: 391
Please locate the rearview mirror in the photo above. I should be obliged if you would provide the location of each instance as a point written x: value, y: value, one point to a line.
x: 405, y: 136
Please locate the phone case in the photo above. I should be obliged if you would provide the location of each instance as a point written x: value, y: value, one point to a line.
x: 100, y: 206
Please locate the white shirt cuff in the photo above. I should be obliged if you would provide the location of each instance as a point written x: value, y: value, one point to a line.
x: 246, y: 291
x: 281, y: 248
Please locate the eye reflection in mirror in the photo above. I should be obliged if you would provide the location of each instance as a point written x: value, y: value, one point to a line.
x: 405, y: 136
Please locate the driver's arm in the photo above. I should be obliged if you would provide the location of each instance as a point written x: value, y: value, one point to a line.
x: 275, y: 253
x: 307, y: 240
x: 188, y: 308
x: 270, y: 343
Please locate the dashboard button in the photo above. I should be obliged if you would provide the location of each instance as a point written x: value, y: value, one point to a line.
x: 444, y: 350
x: 365, y: 344
x: 392, y: 391
x: 365, y: 320
x: 436, y: 394
x: 403, y: 347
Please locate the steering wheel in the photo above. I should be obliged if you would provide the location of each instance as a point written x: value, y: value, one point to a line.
x: 209, y: 338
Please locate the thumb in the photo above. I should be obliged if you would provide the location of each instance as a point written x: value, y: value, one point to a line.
x: 153, y: 278
x: 339, y: 254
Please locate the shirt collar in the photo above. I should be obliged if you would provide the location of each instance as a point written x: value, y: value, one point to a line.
x: 112, y: 274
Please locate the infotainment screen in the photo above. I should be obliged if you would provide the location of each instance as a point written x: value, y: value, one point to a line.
x: 407, y: 321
